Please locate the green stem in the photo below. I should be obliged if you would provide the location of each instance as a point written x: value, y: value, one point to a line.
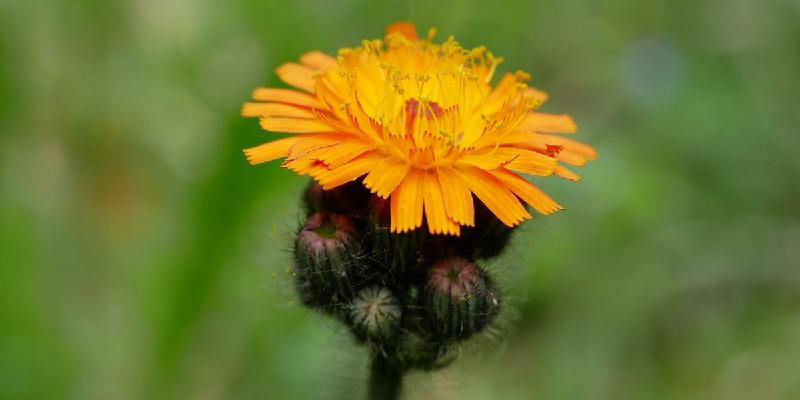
x: 385, y: 380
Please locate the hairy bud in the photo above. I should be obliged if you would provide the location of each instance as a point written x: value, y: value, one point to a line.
x: 461, y: 298
x: 324, y: 251
x: 375, y: 313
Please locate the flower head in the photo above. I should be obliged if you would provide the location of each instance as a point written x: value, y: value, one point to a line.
x: 423, y: 125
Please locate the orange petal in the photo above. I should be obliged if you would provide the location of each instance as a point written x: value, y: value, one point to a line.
x: 349, y: 171
x: 457, y: 197
x: 537, y: 95
x: 571, y: 158
x: 574, y: 146
x: 275, y: 110
x: 572, y: 152
x: 566, y: 174
x: 516, y: 136
x: 435, y: 214
x: 406, y: 204
x: 490, y: 158
x: 270, y: 151
x: 406, y: 29
x: 527, y: 191
x: 293, y: 125
x: 299, y: 76
x: 314, y: 141
x: 529, y: 161
x: 548, y: 123
x: 343, y: 152
x: 493, y: 193
x: 385, y: 176
x: 306, y: 166
x: 287, y: 96
x: 533, y: 163
x: 318, y: 60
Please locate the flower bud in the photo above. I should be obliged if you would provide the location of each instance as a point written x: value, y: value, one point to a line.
x: 375, y: 313
x: 324, y: 253
x: 461, y: 298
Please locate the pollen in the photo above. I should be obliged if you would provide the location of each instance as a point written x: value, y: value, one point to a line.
x: 421, y: 124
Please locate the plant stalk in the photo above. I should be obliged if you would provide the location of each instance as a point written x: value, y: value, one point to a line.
x: 385, y: 380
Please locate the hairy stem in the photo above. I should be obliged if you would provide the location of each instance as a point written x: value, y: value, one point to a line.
x: 385, y: 380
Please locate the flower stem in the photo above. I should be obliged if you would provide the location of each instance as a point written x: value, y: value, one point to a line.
x: 385, y: 380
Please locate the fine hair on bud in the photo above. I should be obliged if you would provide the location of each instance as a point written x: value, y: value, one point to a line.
x: 461, y: 299
x: 375, y: 314
x: 410, y: 297
x: 325, y: 250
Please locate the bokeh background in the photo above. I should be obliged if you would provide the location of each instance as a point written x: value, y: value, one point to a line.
x: 142, y: 258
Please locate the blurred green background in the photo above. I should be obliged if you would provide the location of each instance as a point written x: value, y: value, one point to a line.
x: 142, y: 258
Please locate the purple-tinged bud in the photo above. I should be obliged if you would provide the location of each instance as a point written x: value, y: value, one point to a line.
x: 375, y: 313
x: 325, y: 252
x: 324, y: 235
x: 461, y: 298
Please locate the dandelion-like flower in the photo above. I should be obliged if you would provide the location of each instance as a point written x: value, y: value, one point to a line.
x: 420, y: 124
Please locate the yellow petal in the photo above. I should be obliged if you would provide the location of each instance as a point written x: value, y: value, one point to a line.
x: 527, y: 191
x: 297, y: 75
x: 494, y: 195
x: 275, y: 110
x: 270, y: 151
x: 318, y: 60
x: 457, y: 197
x: 435, y: 214
x: 406, y: 204
x: 287, y: 96
x: 293, y: 125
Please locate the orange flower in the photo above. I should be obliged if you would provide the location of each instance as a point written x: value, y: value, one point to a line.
x: 422, y: 123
